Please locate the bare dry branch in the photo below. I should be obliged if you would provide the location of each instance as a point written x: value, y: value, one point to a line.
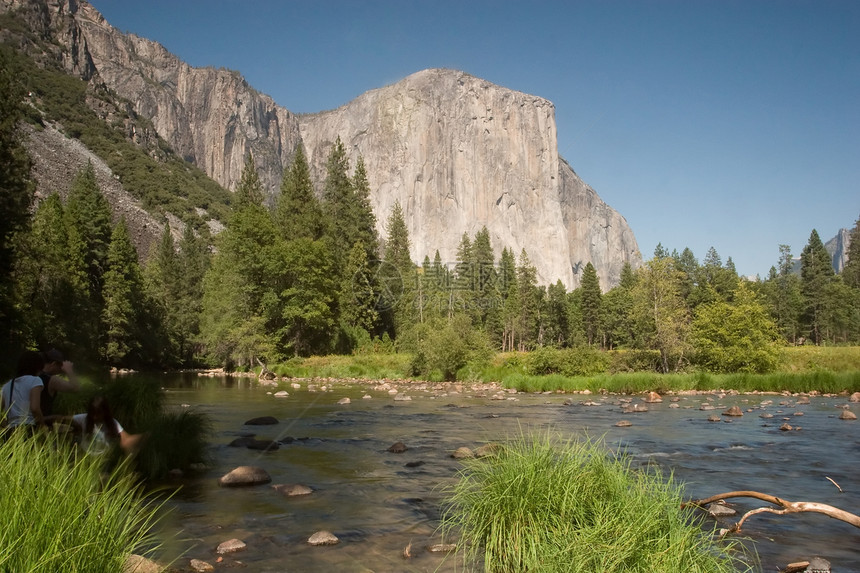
x: 787, y: 507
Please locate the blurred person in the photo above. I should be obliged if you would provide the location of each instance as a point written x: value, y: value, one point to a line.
x: 58, y: 375
x: 21, y: 397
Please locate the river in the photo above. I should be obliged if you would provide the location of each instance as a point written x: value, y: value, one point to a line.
x: 378, y: 503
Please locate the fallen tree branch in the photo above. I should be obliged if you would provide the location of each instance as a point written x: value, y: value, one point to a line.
x: 787, y: 507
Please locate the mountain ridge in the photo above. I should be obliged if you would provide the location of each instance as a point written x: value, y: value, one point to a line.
x: 485, y: 156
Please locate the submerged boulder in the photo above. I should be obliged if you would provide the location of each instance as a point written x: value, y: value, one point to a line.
x: 245, y: 475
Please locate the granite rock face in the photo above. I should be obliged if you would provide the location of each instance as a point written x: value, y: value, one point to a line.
x: 460, y: 153
x: 457, y: 152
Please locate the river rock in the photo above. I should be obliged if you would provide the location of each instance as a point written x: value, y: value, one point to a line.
x: 231, y: 546
x: 796, y: 567
x: 292, y: 489
x: 281, y: 394
x: 855, y: 397
x: 623, y: 423
x: 714, y: 418
x: 344, y: 401
x: 653, y: 398
x: 818, y: 565
x: 847, y: 415
x: 803, y: 400
x: 487, y: 450
x: 766, y: 415
x: 733, y: 411
x: 720, y: 510
x: 262, y: 445
x: 402, y: 398
x: 241, y: 442
x: 262, y: 421
x: 442, y: 548
x: 323, y: 538
x: 785, y: 428
x: 397, y: 448
x: 201, y: 566
x: 245, y: 475
x: 462, y: 453
x: 140, y: 564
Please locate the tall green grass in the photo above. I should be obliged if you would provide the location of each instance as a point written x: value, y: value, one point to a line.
x: 61, y: 513
x: 548, y: 505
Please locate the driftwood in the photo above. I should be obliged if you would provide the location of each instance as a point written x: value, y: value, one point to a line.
x: 787, y: 507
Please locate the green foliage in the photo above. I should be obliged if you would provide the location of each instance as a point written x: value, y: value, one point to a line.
x: 584, y: 361
x: 298, y: 212
x: 735, y: 337
x: 851, y: 272
x: 816, y: 274
x: 633, y: 360
x: 590, y: 303
x: 15, y: 186
x: 65, y: 514
x: 544, y: 504
x: 443, y: 349
x: 124, y: 307
x: 173, y: 440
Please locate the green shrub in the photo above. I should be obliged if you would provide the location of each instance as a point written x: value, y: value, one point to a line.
x: 634, y: 361
x: 580, y: 361
x: 546, y: 505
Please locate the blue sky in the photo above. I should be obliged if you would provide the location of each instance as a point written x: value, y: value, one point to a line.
x: 720, y: 123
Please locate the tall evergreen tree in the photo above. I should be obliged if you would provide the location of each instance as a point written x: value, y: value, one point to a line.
x: 591, y: 298
x: 851, y: 272
x: 338, y: 201
x: 507, y: 274
x: 298, y: 212
x: 463, y: 285
x: 123, y: 294
x: 486, y: 296
x: 399, y: 272
x: 89, y: 227
x: 239, y: 283
x: 816, y: 273
x: 557, y: 316
x: 194, y: 261
x: 359, y: 308
x: 528, y: 320
x: 362, y: 212
x: 15, y: 191
x: 163, y: 281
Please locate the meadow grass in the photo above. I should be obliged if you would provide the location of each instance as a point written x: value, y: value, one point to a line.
x: 369, y: 366
x: 543, y: 504
x: 61, y: 512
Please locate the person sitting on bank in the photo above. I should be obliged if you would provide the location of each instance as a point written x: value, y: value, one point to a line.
x: 58, y: 375
x: 99, y: 430
x: 21, y: 397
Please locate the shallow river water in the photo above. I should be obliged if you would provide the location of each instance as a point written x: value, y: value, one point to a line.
x: 377, y: 502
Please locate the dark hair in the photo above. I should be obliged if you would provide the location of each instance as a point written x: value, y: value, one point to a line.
x: 99, y: 405
x: 52, y: 355
x: 30, y: 363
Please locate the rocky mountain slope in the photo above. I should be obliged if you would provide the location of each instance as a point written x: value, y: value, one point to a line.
x: 456, y: 151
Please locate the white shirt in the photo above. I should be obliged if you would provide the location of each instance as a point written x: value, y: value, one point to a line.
x: 18, y: 406
x: 97, y: 442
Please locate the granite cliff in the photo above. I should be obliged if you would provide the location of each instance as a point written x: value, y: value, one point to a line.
x: 458, y: 152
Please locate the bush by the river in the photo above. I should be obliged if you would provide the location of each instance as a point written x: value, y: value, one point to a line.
x: 62, y: 513
x: 543, y: 504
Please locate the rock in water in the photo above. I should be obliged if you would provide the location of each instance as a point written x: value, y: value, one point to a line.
x: 245, y: 475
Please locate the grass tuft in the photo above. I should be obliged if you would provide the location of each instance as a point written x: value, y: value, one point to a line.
x: 62, y: 513
x: 549, y: 505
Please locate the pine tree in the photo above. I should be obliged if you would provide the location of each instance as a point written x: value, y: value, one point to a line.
x: 194, y: 261
x: 528, y: 319
x: 249, y: 192
x: 507, y: 275
x: 486, y: 297
x: 15, y: 191
x: 399, y: 272
x: 816, y: 273
x: 123, y: 294
x: 851, y: 272
x: 591, y: 297
x: 365, y: 220
x: 89, y: 226
x: 557, y: 316
x: 163, y: 284
x: 298, y: 212
x: 338, y: 201
x: 359, y: 308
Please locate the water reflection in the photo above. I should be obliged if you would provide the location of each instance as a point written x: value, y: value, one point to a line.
x: 378, y: 502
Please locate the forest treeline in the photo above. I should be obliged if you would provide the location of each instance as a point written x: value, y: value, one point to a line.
x: 309, y: 275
